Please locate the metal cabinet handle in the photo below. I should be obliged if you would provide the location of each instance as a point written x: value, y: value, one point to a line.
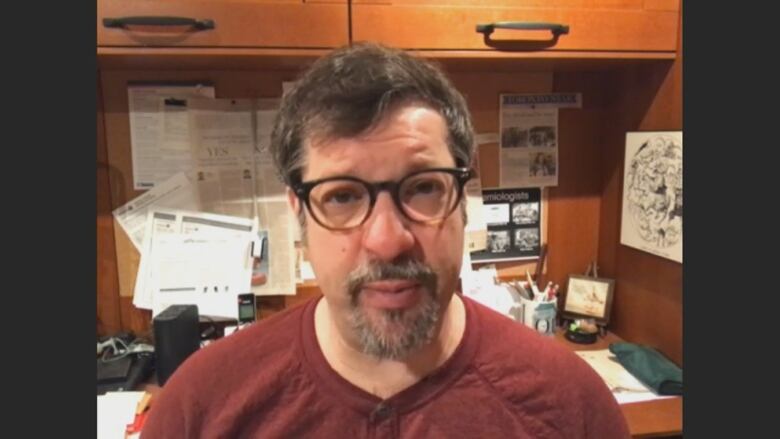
x: 556, y: 29
x: 123, y: 22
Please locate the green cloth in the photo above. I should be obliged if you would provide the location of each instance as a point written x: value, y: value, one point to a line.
x: 650, y: 367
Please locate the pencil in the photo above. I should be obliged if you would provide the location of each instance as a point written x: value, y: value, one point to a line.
x: 143, y: 404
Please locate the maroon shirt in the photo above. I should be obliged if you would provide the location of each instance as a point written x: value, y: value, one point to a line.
x: 271, y: 380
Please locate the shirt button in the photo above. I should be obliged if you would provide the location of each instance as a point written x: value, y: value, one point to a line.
x: 381, y: 412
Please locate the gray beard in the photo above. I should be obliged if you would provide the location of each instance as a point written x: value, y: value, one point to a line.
x: 394, y: 334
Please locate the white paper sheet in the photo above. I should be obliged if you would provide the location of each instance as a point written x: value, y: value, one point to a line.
x: 174, y: 193
x: 476, y: 228
x: 221, y: 131
x: 157, y: 224
x: 195, y: 258
x: 225, y: 190
x: 115, y: 410
x: 272, y: 211
x: 209, y: 272
x: 156, y: 144
x: 480, y: 285
x: 176, y: 126
x: 275, y: 217
x: 624, y: 386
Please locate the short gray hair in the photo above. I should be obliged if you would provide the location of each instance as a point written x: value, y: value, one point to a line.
x: 350, y: 90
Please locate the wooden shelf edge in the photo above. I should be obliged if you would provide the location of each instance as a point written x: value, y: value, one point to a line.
x: 185, y: 58
x: 182, y: 58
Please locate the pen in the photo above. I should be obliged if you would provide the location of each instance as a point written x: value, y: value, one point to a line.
x: 532, y: 284
x: 540, y: 264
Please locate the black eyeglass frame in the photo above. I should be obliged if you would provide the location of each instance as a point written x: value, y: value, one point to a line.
x: 303, y: 189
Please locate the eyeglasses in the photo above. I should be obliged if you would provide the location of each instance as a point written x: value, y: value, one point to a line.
x: 342, y: 203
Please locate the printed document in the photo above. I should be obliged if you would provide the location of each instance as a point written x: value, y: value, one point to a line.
x: 157, y: 131
x: 174, y: 193
x: 529, y: 138
x: 273, y: 213
x: 195, y: 258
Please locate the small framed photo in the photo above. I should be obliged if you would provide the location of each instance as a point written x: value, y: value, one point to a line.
x: 589, y: 297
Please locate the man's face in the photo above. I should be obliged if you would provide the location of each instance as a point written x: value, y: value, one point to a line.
x: 388, y: 281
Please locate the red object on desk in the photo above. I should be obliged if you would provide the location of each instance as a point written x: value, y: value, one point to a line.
x: 138, y: 423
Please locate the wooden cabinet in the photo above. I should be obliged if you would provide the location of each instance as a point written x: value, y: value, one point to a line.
x: 616, y: 26
x: 276, y: 24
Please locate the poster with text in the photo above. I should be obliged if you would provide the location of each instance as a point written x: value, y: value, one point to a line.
x: 513, y: 218
x: 652, y: 218
x: 529, y: 138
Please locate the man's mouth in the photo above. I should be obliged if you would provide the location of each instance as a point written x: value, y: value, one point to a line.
x: 391, y: 294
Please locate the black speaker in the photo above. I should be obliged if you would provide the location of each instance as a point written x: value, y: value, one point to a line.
x: 176, y: 337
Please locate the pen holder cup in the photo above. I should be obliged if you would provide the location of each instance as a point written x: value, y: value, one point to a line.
x: 538, y: 315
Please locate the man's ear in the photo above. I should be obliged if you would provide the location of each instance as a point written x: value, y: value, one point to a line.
x: 297, y: 208
x: 293, y: 201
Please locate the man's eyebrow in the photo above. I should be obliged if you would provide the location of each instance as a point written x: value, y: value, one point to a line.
x: 421, y: 166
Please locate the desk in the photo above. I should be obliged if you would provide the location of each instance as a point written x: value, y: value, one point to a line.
x: 645, y: 419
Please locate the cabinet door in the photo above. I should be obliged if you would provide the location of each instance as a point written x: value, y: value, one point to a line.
x: 225, y: 24
x: 593, y: 25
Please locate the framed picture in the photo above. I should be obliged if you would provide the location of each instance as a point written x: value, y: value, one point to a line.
x: 589, y: 297
x: 652, y: 212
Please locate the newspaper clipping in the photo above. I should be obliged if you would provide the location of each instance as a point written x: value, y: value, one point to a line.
x: 529, y: 138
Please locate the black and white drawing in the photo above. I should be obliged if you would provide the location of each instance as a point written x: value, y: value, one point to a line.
x: 652, y: 193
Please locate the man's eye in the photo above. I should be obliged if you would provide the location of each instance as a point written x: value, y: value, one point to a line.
x: 343, y: 197
x: 425, y: 187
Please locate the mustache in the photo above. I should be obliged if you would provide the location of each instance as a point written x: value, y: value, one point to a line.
x: 406, y: 269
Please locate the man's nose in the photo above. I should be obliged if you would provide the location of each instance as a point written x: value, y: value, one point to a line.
x: 386, y: 235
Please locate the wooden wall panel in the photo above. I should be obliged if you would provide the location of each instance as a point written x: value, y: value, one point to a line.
x: 575, y: 203
x: 108, y: 319
x: 648, y: 290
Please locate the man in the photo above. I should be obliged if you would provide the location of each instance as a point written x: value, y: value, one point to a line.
x: 375, y: 146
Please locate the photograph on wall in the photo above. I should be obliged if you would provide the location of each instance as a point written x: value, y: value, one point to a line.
x: 652, y: 193
x: 513, y: 219
x: 529, y: 138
